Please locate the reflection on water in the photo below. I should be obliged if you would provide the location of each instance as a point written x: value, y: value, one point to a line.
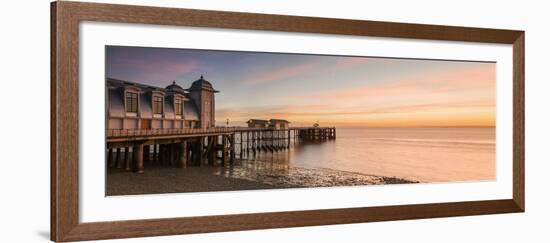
x: 376, y: 156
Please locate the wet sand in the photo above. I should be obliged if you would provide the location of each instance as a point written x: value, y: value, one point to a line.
x: 243, y: 176
x: 172, y: 180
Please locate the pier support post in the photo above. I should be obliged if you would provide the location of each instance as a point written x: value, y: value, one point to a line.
x: 232, y: 157
x: 271, y: 138
x: 277, y: 139
x: 156, y: 152
x: 224, y: 149
x: 177, y: 149
x: 172, y: 149
x: 161, y: 154
x: 138, y: 156
x: 241, y: 145
x: 168, y: 152
x: 253, y: 145
x: 190, y: 153
x: 183, y: 154
x: 128, y: 159
x: 118, y: 158
x: 200, y: 151
x: 110, y: 157
x: 122, y: 159
x: 146, y: 155
x: 211, y: 149
x: 113, y: 157
x: 164, y: 151
x: 288, y: 140
x: 247, y: 143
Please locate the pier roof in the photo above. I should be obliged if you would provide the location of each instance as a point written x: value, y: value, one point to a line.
x: 175, y: 88
x: 258, y: 121
x: 278, y: 120
x: 202, y: 84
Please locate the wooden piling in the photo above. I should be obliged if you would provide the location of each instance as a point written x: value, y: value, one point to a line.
x: 210, y: 150
x: 232, y: 157
x: 162, y: 154
x: 110, y: 157
x: 118, y: 158
x: 146, y: 153
x: 200, y: 151
x: 123, y: 155
x: 156, y: 153
x: 138, y: 156
x: 288, y: 139
x: 224, y: 149
x: 183, y: 154
x: 128, y: 159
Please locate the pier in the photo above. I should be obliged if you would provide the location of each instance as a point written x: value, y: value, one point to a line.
x: 129, y: 148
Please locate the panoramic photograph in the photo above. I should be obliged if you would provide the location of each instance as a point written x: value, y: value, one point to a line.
x: 189, y: 120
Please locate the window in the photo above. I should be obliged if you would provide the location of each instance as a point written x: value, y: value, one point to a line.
x: 131, y: 102
x: 157, y: 104
x: 178, y: 106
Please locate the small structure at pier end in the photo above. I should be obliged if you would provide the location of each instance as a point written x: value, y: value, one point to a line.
x: 271, y: 123
x: 257, y: 123
x: 278, y: 124
x: 176, y: 127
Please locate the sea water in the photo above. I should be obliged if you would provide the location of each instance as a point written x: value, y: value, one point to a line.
x: 421, y: 154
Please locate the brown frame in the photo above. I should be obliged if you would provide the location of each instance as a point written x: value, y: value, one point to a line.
x: 65, y: 19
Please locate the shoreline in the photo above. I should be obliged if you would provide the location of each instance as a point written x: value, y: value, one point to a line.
x: 242, y: 176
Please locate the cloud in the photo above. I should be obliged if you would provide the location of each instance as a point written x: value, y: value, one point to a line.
x: 264, y: 110
x: 307, y: 68
x: 281, y: 73
x: 333, y: 110
x: 423, y: 86
x: 350, y: 62
x: 149, y: 69
x: 460, y: 97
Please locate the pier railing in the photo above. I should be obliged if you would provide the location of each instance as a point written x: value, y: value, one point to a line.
x: 166, y: 131
x: 113, y: 133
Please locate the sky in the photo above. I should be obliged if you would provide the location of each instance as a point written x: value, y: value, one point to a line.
x: 338, y: 91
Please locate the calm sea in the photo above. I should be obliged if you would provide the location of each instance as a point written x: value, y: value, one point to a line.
x: 424, y: 154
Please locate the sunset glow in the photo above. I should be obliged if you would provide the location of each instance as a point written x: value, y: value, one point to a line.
x: 332, y: 90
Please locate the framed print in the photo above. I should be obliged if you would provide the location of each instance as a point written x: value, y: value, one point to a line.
x: 174, y: 121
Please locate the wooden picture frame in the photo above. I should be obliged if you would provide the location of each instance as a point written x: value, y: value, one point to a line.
x: 65, y: 19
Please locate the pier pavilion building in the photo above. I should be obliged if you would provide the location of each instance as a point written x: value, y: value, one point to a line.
x: 132, y: 105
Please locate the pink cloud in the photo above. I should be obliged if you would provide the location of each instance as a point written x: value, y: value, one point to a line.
x: 155, y: 69
x: 281, y: 73
x: 350, y: 62
x: 481, y: 78
x: 276, y: 74
x: 334, y: 110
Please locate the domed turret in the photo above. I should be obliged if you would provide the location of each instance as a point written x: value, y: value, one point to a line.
x: 174, y: 88
x: 202, y: 84
x: 202, y: 93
